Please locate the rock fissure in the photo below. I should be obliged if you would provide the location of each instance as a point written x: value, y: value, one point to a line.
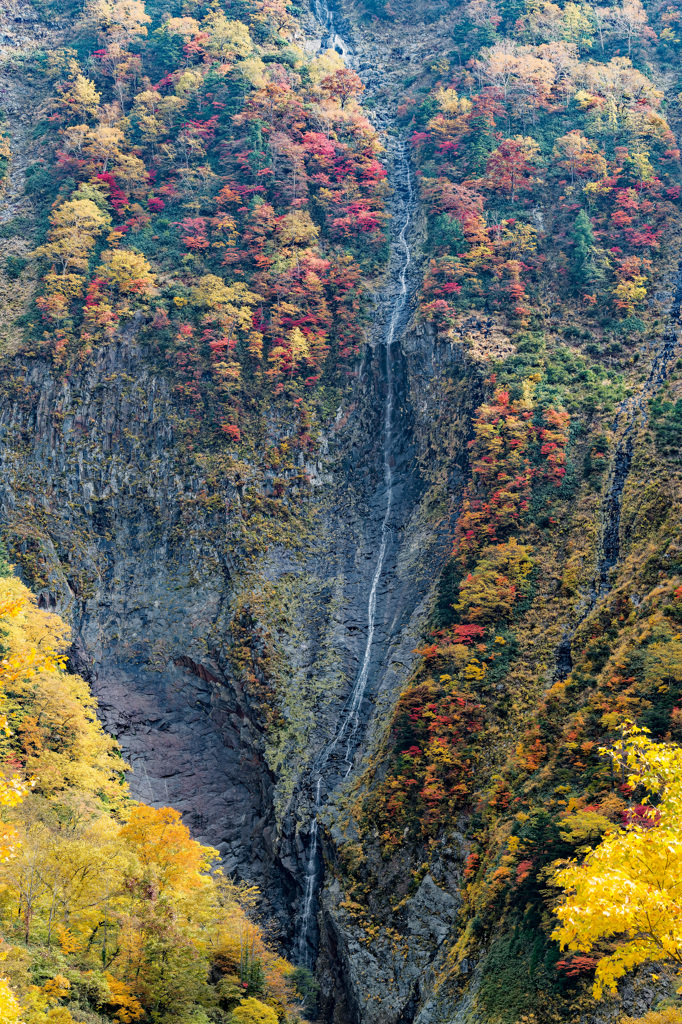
x: 337, y: 755
x: 122, y: 544
x: 622, y: 463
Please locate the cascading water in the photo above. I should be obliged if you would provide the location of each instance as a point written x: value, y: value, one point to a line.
x: 345, y: 737
x: 311, y: 880
x: 330, y: 37
x: 346, y: 734
x: 350, y: 718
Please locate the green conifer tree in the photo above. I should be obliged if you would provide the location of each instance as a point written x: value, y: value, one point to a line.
x: 480, y: 144
x: 447, y: 231
x: 584, y: 271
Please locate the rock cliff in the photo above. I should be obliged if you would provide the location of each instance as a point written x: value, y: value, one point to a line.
x: 252, y: 683
x: 134, y: 550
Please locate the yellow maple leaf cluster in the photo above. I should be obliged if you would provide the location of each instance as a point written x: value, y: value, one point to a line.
x: 115, y: 889
x: 628, y: 887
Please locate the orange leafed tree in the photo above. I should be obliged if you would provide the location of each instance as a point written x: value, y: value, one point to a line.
x: 343, y: 84
x: 576, y: 155
x: 511, y: 168
x: 161, y: 841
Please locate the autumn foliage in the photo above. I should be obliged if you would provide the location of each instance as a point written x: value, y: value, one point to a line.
x: 431, y: 770
x: 231, y: 165
x: 496, y: 144
x: 129, y: 916
x: 626, y: 887
x: 503, y: 469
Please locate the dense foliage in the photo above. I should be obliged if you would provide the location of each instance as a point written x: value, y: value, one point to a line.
x: 206, y: 181
x: 550, y: 177
x: 109, y: 911
x: 627, y: 888
x: 207, y: 186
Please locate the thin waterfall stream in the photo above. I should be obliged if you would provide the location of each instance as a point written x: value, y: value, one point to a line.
x: 350, y: 716
x: 345, y: 737
x: 330, y: 36
x: 346, y: 734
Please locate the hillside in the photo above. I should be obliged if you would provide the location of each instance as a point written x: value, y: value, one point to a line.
x: 110, y: 911
x: 341, y: 423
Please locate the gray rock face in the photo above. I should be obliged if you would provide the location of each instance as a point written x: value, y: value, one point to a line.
x: 431, y: 912
x: 125, y: 535
x: 380, y: 963
x: 386, y: 973
x: 97, y: 504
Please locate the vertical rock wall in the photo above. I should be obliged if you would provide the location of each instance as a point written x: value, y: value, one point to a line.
x: 115, y: 528
x: 116, y: 533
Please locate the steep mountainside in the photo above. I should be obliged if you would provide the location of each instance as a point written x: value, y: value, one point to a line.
x: 341, y: 420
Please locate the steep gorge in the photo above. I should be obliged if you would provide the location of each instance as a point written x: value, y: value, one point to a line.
x: 92, y: 489
x: 257, y: 685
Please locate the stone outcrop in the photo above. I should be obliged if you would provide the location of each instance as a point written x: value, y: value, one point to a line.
x: 120, y: 530
x: 115, y: 531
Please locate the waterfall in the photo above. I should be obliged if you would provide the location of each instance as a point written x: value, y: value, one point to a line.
x: 311, y: 880
x: 350, y: 715
x: 330, y: 37
x: 346, y: 733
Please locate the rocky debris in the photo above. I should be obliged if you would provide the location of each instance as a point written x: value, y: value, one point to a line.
x: 485, y: 338
x: 431, y: 912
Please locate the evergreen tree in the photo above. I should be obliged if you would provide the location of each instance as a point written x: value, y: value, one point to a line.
x: 584, y: 271
x: 447, y: 231
x: 480, y: 144
x: 5, y: 569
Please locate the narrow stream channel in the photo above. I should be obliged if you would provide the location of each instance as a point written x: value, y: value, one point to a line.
x: 342, y: 745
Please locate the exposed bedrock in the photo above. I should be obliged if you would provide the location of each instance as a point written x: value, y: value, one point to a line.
x: 119, y: 529
x: 114, y: 530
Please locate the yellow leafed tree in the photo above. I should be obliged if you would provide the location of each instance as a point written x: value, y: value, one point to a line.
x: 62, y: 742
x: 159, y: 838
x: 128, y: 270
x: 74, y: 229
x: 100, y: 885
x: 10, y: 1010
x: 253, y: 1011
x: 627, y: 890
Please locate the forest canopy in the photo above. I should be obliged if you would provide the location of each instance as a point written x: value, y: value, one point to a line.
x: 107, y: 906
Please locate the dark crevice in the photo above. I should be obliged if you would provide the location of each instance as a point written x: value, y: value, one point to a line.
x: 622, y: 463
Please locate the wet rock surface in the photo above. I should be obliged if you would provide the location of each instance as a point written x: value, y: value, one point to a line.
x: 109, y: 522
x: 112, y: 522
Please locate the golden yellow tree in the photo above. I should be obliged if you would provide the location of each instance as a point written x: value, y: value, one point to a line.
x: 74, y: 228
x: 13, y: 790
x: 628, y: 890
x: 160, y: 840
x: 10, y: 1011
x: 253, y: 1011
x: 129, y: 271
x: 50, y: 702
